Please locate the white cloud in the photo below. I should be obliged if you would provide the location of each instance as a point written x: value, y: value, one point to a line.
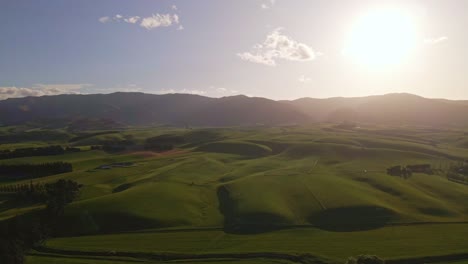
x: 132, y: 19
x: 105, y: 19
x: 304, y: 79
x: 267, y: 4
x: 433, y: 41
x: 184, y: 91
x: 278, y: 46
x: 165, y: 91
x: 129, y: 88
x: 159, y: 20
x: 174, y: 7
x: 257, y: 58
x: 221, y: 91
x: 153, y: 21
x: 199, y: 92
x: 212, y: 91
x: 61, y: 88
x: 40, y: 90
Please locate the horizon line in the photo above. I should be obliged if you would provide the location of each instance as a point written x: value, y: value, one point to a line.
x: 249, y: 96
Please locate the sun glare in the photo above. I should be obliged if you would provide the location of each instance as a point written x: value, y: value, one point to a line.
x: 380, y: 38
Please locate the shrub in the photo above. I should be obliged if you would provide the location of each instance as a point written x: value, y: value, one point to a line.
x: 365, y: 259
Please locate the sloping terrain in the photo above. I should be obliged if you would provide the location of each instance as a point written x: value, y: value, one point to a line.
x: 255, y: 181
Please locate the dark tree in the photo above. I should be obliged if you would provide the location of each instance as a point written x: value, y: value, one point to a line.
x: 18, y: 171
x: 163, y: 142
x: 11, y: 251
x: 60, y: 194
x: 20, y: 234
x: 365, y: 259
x: 31, y: 152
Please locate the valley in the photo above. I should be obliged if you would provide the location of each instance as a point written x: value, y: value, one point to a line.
x: 318, y: 193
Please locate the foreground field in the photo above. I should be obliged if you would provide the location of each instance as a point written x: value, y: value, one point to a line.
x: 86, y: 260
x: 321, y: 190
x: 395, y: 242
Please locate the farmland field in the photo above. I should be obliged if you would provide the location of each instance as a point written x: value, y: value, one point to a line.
x: 255, y: 195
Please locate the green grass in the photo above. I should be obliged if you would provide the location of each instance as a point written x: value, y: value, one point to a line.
x: 390, y: 242
x: 454, y: 262
x: 236, y: 147
x: 250, y: 181
x: 58, y: 259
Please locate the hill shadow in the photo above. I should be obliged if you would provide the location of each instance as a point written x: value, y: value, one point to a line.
x: 86, y: 223
x: 357, y: 218
x: 245, y: 149
x: 380, y: 187
x: 253, y: 223
x: 122, y: 187
x: 433, y: 211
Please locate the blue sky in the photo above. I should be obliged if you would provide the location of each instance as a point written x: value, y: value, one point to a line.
x: 221, y: 48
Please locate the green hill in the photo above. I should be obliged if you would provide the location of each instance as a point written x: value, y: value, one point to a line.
x: 252, y: 182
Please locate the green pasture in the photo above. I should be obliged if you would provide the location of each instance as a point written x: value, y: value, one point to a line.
x: 257, y: 187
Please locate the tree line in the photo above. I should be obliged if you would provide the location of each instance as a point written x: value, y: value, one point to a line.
x: 39, y: 151
x: 31, y: 171
x: 458, y: 172
x: 115, y: 145
x: 163, y: 142
x: 89, y: 135
x: 365, y: 259
x: 29, y: 193
x: 41, y: 135
x: 22, y: 233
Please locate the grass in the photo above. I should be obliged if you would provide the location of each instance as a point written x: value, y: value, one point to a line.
x: 249, y: 183
x: 236, y: 147
x: 59, y: 259
x: 455, y: 262
x: 394, y: 242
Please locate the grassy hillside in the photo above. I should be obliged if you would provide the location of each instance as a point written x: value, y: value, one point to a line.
x: 260, y: 189
x: 394, y: 242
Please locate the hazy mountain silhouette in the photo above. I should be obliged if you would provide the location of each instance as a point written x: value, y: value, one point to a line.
x: 143, y: 109
x: 186, y: 109
x: 395, y: 109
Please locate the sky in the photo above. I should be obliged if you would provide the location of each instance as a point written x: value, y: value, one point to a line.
x: 278, y: 49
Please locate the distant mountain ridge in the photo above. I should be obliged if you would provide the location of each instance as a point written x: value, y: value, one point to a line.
x: 395, y: 109
x: 195, y: 110
x: 144, y: 109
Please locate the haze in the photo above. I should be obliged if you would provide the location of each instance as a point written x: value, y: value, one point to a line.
x: 274, y: 49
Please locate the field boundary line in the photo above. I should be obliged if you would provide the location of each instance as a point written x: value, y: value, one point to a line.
x: 297, y: 258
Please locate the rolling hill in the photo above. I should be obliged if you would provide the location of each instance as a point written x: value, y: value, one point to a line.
x: 289, y: 190
x: 248, y: 192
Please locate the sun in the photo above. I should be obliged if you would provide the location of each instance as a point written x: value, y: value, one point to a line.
x: 382, y: 37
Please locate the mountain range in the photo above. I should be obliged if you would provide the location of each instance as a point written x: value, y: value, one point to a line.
x: 195, y: 110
